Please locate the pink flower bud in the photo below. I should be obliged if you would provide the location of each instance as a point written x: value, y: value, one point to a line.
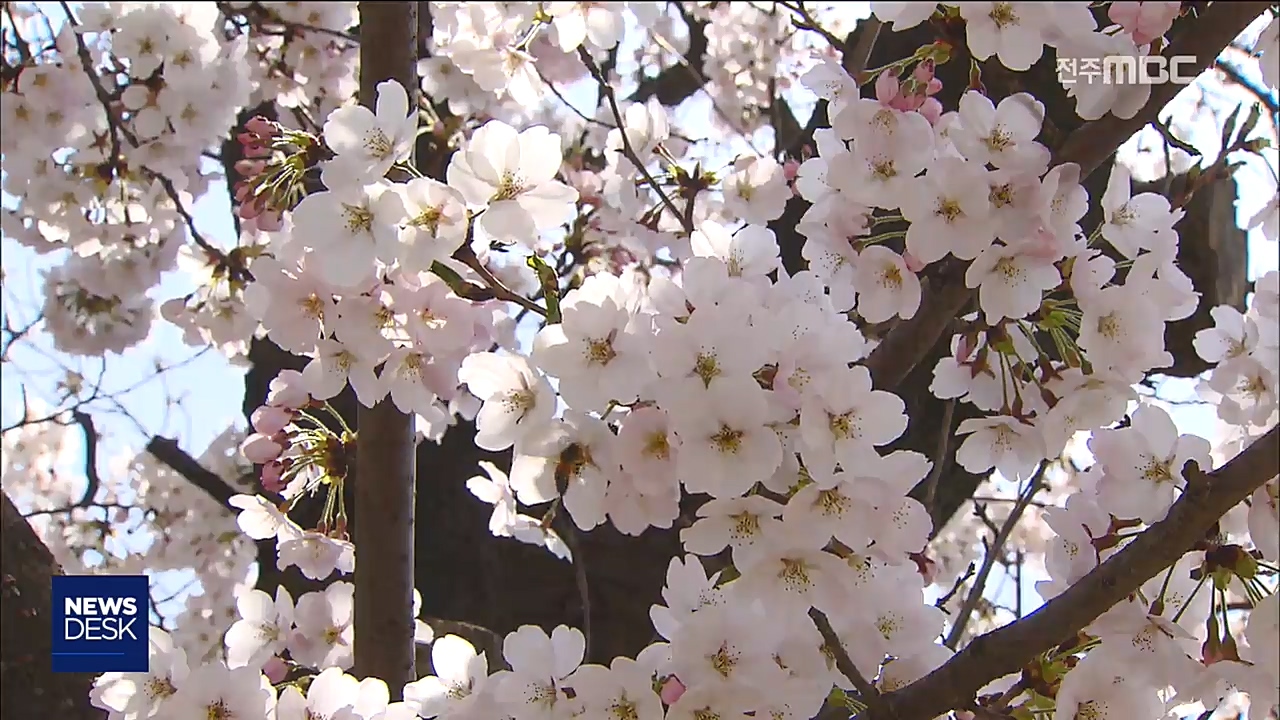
x: 250, y: 210
x: 272, y: 480
x: 931, y: 109
x: 275, y: 669
x: 260, y: 449
x: 672, y: 689
x: 887, y: 86
x: 270, y: 420
x: 790, y: 169
x: 923, y: 72
x: 288, y: 390
x: 261, y: 127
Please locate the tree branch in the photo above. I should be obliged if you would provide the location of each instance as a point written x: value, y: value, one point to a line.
x: 1207, y: 498
x: 172, y: 456
x: 993, y: 553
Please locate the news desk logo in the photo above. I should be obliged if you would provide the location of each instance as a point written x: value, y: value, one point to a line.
x: 100, y: 623
x: 1128, y: 70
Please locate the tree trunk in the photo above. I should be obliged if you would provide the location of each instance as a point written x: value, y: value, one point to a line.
x: 31, y: 689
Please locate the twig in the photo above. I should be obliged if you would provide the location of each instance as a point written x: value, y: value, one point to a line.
x: 855, y: 60
x: 171, y: 455
x: 94, y: 481
x: 627, y: 149
x: 870, y: 696
x: 955, y: 588
x: 940, y: 459
x: 993, y: 554
x: 467, y: 256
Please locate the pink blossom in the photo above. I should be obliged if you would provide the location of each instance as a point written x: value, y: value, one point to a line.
x: 272, y: 476
x: 270, y: 420
x: 672, y: 689
x: 260, y: 449
x: 1146, y: 21
x: 887, y: 87
x: 931, y: 109
x: 275, y: 669
x: 288, y: 390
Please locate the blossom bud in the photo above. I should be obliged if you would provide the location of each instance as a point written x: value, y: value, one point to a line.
x: 923, y: 73
x: 270, y: 420
x: 272, y: 476
x: 261, y: 127
x: 887, y: 86
x: 275, y: 669
x: 790, y: 169
x: 260, y: 449
x: 672, y: 689
x: 288, y: 390
x: 931, y: 109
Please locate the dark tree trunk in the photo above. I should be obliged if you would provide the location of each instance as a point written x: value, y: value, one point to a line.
x: 30, y: 688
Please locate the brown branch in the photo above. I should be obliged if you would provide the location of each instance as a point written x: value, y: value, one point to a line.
x: 172, y: 456
x: 993, y: 553
x: 92, y: 480
x: 1006, y: 650
x: 867, y: 692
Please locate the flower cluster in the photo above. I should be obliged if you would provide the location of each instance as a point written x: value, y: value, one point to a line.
x: 686, y: 377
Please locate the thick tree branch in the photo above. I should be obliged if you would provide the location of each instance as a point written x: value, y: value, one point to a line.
x: 1207, y: 498
x: 168, y: 452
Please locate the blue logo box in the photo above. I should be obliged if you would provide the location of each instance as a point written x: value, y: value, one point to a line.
x: 99, y: 623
